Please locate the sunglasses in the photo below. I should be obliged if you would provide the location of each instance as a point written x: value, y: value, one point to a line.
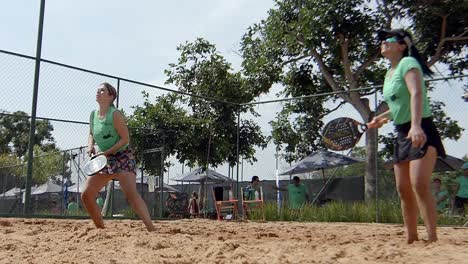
x: 101, y: 90
x: 104, y: 90
x: 390, y: 40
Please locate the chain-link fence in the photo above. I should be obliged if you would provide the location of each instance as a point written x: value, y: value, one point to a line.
x: 66, y: 97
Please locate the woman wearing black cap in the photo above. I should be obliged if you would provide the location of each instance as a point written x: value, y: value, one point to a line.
x: 418, y: 143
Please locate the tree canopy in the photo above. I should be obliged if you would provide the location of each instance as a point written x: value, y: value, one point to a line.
x: 201, y: 129
x: 317, y: 46
x: 14, y: 139
x: 14, y: 133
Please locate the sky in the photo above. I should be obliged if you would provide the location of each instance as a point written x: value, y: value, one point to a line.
x: 136, y: 40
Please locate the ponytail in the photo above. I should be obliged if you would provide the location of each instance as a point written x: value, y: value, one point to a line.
x: 412, y: 51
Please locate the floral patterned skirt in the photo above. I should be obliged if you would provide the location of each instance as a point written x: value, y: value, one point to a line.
x: 121, y: 161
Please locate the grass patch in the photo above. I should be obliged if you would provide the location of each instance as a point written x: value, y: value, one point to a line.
x: 359, y: 212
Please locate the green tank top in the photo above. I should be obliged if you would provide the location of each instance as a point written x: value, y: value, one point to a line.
x: 104, y: 133
x: 396, y: 92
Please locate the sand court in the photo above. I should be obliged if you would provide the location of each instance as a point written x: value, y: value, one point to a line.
x: 208, y: 241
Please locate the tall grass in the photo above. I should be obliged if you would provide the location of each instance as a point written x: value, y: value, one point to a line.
x: 388, y: 212
x: 46, y: 212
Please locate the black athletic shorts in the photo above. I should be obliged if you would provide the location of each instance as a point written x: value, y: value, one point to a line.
x: 460, y: 202
x: 404, y: 151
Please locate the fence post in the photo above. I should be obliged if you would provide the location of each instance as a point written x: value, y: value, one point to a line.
x: 237, y: 152
x: 377, y: 212
x: 32, y: 128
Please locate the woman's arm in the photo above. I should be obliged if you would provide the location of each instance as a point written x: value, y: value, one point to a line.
x: 380, y: 120
x: 91, y: 149
x: 121, y: 127
x: 414, y: 84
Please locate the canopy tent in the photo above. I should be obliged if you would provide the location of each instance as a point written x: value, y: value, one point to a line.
x: 166, y: 187
x: 206, y: 176
x: 10, y: 194
x: 48, y: 187
x: 75, y: 189
x: 16, y: 191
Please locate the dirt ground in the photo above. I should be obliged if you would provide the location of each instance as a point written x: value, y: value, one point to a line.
x: 210, y: 241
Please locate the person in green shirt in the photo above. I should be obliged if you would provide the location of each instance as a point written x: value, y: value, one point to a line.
x: 297, y: 193
x: 440, y: 196
x: 418, y: 142
x: 252, y: 188
x: 72, y: 207
x: 109, y: 131
x: 100, y: 201
x: 461, y: 196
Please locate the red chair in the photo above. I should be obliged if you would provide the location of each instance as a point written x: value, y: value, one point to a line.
x: 223, y: 204
x: 250, y: 204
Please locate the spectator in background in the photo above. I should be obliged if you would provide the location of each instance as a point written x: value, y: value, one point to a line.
x: 297, y: 193
x: 440, y: 196
x: 100, y: 201
x: 72, y: 207
x: 54, y: 208
x: 254, y: 186
x: 193, y: 207
x: 461, y: 197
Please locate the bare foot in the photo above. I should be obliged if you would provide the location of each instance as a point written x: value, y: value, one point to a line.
x: 411, y: 239
x: 150, y: 227
x: 431, y: 239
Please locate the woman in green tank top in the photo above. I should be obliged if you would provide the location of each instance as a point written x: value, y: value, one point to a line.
x: 418, y: 142
x: 109, y: 131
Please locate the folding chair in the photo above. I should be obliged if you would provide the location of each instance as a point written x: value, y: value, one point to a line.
x: 466, y: 214
x: 252, y: 203
x: 453, y: 213
x: 222, y: 205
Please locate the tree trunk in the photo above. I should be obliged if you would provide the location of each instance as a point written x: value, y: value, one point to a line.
x: 370, y: 183
x: 370, y: 175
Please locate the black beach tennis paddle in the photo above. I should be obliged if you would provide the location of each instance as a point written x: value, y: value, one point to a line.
x: 342, y: 133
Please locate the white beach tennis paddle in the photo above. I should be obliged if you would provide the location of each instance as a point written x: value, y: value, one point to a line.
x: 95, y: 164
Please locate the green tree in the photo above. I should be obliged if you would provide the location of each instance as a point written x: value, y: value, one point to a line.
x: 10, y: 165
x: 200, y: 131
x: 46, y: 165
x: 334, y: 42
x: 14, y: 133
x: 161, y: 123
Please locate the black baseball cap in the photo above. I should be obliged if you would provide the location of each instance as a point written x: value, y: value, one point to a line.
x: 388, y: 33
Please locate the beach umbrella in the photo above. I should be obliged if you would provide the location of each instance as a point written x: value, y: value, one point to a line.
x: 320, y: 160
